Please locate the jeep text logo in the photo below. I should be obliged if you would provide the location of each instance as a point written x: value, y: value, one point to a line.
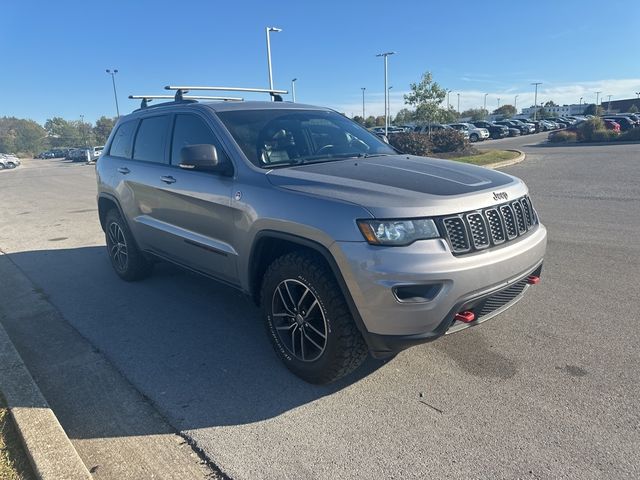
x: 500, y: 196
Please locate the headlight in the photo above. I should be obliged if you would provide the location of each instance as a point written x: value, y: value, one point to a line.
x: 397, y: 232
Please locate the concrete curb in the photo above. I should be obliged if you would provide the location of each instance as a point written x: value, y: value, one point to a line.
x: 506, y: 163
x: 50, y: 451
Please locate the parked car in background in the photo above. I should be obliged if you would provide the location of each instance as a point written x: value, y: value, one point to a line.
x: 495, y: 131
x: 475, y: 134
x: 521, y: 128
x: 526, y: 127
x: 80, y: 155
x: 9, y: 161
x: 612, y: 125
x: 95, y: 152
x: 625, y: 123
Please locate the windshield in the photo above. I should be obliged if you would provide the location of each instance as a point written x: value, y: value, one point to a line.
x: 278, y: 137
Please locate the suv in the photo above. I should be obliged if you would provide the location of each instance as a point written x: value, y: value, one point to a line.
x: 475, y: 134
x: 495, y: 131
x: 347, y: 246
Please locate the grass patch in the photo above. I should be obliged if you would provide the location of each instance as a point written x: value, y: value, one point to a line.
x: 485, y: 158
x: 14, y: 464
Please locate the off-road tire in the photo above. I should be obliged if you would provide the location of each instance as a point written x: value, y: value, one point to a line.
x: 136, y: 266
x: 345, y: 349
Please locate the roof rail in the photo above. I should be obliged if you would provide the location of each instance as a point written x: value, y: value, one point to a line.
x: 148, y: 98
x: 275, y: 94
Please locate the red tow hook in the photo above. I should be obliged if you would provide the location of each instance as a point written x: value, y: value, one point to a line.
x: 466, y: 317
x: 533, y: 279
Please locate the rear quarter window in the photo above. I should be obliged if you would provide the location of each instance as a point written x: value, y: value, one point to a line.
x: 122, y: 143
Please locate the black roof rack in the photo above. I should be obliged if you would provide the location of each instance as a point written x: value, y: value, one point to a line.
x: 276, y: 95
x: 180, y: 95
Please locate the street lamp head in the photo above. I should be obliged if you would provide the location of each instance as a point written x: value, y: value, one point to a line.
x: 385, y: 54
x: 294, y: 79
x: 274, y: 29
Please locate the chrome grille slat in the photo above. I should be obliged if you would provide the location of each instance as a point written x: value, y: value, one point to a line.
x: 457, y: 234
x: 521, y: 223
x: 476, y: 230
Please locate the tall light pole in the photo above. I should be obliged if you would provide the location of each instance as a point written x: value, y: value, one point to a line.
x: 363, y: 89
x: 386, y: 91
x: 498, y: 102
x: 268, y: 30
x: 597, y: 97
x: 609, y: 104
x: 458, y: 104
x: 389, y: 96
x: 580, y: 101
x: 484, y: 106
x: 293, y: 89
x: 84, y: 139
x: 515, y: 103
x: 535, y: 100
x: 113, y: 81
x: 637, y: 94
x: 448, y: 99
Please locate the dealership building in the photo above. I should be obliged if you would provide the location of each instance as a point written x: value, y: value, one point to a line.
x: 615, y: 106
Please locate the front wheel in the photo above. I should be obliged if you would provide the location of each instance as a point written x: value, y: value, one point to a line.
x: 308, y: 321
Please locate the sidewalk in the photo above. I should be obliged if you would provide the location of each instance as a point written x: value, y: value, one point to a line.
x: 115, y: 430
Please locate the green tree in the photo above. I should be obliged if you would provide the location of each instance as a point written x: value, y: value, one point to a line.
x: 370, y: 121
x: 592, y: 109
x: 62, y: 133
x: 21, y: 136
x: 426, y: 96
x: 379, y: 121
x: 506, y: 111
x: 404, y: 116
x: 542, y: 113
x: 475, y: 114
x: 104, y: 125
x: 633, y: 108
x: 550, y: 103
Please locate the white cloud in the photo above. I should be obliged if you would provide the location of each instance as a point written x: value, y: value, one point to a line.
x: 560, y: 93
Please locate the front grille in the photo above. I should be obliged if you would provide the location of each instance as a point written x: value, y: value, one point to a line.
x: 479, y: 229
x: 500, y: 299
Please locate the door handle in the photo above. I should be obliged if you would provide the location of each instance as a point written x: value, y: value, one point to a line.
x: 168, y: 179
x: 123, y: 170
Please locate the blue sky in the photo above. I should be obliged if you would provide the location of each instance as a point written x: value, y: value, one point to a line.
x: 54, y: 54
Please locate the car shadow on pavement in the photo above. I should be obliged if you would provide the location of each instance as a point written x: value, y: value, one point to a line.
x: 195, y: 348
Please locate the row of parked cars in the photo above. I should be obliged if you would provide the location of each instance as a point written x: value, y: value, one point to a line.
x: 480, y: 130
x: 513, y: 127
x: 81, y: 154
x: 8, y: 161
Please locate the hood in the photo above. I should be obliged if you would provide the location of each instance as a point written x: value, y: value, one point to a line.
x: 400, y: 185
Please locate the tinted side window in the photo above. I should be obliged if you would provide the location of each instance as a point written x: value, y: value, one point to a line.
x: 123, y: 140
x: 192, y: 130
x: 151, y: 139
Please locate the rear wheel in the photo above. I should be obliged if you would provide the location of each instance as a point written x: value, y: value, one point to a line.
x: 308, y: 321
x: 127, y: 260
x: 11, y: 165
x: 474, y: 137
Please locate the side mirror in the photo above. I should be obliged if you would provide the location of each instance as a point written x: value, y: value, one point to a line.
x: 199, y: 157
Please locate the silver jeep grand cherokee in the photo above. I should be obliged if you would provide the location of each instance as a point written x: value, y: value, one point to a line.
x: 348, y: 246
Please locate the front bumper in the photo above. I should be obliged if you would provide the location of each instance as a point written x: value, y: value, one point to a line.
x: 372, y: 275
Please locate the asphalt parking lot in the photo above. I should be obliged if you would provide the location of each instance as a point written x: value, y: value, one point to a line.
x: 548, y: 389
